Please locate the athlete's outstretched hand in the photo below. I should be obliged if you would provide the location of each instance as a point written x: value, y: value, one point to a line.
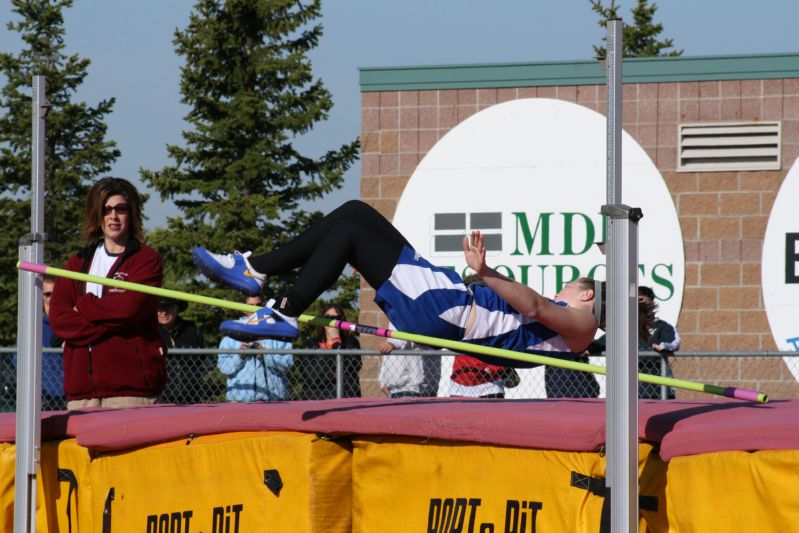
x: 475, y: 252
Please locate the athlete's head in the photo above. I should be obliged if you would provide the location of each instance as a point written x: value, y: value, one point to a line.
x: 583, y: 292
x: 578, y: 291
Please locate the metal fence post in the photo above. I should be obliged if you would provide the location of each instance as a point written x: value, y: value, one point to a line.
x: 339, y: 374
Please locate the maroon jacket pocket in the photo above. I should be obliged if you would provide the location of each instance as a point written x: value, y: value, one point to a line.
x: 78, y: 372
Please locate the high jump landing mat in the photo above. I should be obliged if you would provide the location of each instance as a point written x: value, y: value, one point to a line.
x: 415, y: 465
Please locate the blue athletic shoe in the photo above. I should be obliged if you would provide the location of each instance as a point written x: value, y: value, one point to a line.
x: 266, y: 322
x: 233, y: 270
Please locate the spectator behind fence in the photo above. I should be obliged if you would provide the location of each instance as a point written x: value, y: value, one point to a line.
x: 431, y: 365
x: 319, y: 371
x: 113, y: 354
x: 473, y: 378
x: 662, y: 338
x: 261, y: 377
x: 565, y: 383
x: 52, y: 363
x: 400, y: 376
x: 185, y: 372
x: 646, y: 321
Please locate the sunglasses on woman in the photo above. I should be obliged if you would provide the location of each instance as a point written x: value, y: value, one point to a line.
x: 119, y: 209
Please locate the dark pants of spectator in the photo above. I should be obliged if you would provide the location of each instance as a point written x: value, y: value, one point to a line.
x: 405, y: 394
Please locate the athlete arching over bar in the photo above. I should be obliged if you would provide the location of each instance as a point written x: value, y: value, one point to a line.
x: 416, y: 296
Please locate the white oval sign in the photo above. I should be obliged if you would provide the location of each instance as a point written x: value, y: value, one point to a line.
x: 531, y: 175
x: 780, y: 269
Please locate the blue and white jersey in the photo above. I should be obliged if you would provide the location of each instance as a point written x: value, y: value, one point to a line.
x: 499, y: 324
x: 429, y: 300
x: 425, y: 299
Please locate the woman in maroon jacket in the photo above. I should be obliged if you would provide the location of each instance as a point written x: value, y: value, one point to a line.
x: 113, y: 354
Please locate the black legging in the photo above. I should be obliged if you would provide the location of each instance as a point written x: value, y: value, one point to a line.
x: 353, y: 233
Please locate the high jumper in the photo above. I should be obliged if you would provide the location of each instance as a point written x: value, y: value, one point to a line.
x: 415, y: 295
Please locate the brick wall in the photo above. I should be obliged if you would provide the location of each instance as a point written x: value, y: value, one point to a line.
x: 723, y: 215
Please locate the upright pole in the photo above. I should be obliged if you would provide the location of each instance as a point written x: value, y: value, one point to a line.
x: 622, y: 312
x: 613, y: 59
x: 29, y: 332
x: 339, y: 375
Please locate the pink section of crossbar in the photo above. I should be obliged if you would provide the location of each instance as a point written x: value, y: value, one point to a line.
x: 380, y: 332
x: 32, y: 267
x: 744, y: 394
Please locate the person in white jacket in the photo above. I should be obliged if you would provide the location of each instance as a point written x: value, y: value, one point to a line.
x: 401, y: 376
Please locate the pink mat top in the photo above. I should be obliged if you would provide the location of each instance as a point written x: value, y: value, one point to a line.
x: 681, y: 427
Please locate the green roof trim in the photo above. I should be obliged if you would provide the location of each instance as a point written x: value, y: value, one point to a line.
x: 550, y: 73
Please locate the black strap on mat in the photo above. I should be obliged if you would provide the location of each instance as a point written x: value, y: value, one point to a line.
x: 107, y: 511
x: 65, y: 474
x: 596, y: 486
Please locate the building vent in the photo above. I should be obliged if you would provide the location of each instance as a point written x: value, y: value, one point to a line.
x: 729, y: 146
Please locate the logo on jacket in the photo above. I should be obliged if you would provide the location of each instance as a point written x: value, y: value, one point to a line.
x: 121, y: 276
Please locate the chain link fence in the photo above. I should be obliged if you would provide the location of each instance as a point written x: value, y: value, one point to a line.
x: 196, y: 376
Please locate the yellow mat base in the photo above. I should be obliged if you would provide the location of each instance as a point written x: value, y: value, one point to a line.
x: 407, y: 485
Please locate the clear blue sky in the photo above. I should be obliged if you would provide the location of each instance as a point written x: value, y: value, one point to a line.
x: 133, y: 59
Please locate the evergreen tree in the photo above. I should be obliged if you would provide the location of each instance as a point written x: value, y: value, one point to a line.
x: 76, y: 151
x: 640, y: 38
x: 239, y: 180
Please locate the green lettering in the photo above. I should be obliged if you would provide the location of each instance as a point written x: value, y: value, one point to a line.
x: 543, y: 269
x: 529, y: 238
x: 662, y: 281
x: 568, y: 233
x: 561, y: 278
x: 524, y: 269
x: 604, y: 228
x: 508, y: 271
